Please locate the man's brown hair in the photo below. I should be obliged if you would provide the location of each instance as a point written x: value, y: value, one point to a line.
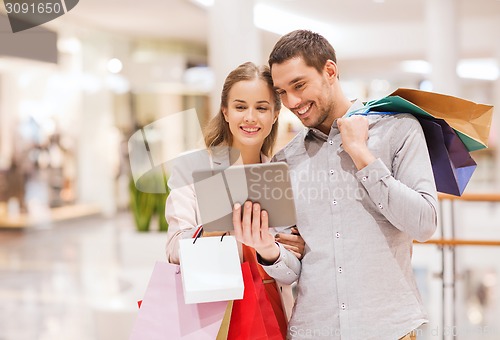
x: 312, y: 47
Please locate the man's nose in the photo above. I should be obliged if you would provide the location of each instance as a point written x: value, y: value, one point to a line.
x: 291, y: 101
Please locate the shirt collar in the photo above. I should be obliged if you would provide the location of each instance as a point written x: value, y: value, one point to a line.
x: 356, y: 105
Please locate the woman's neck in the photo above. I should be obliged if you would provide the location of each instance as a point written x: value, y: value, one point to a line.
x: 245, y: 156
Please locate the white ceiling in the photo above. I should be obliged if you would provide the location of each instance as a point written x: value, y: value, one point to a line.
x: 365, y: 31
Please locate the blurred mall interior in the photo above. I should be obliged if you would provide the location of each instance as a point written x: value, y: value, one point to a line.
x: 74, y: 90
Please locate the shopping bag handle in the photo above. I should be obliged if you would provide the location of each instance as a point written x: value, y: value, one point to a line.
x: 364, y: 110
x: 197, y: 234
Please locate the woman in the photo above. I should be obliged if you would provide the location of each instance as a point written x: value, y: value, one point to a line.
x: 244, y: 131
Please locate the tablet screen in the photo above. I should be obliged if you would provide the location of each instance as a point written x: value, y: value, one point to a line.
x: 217, y: 190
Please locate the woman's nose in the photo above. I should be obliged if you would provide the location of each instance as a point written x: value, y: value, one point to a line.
x: 250, y: 116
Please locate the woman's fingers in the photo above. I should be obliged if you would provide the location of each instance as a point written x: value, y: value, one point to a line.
x: 238, y: 232
x: 264, y: 225
x: 252, y: 227
x: 256, y: 223
x: 247, y: 222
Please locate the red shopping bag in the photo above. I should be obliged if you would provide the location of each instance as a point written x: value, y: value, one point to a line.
x: 253, y: 316
x: 163, y: 314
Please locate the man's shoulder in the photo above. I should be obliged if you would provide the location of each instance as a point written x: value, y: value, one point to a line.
x: 400, y: 122
x: 290, y: 147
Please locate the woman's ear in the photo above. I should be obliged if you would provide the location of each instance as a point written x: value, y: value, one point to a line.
x: 224, y: 112
x: 276, y: 114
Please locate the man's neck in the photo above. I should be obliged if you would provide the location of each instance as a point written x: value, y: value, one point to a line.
x: 339, y: 110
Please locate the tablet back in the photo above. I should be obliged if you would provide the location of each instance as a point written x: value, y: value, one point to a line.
x: 217, y: 190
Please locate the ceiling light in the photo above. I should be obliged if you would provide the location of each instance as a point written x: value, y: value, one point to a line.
x: 416, y: 66
x: 281, y: 22
x: 204, y: 3
x: 483, y: 69
x: 115, y: 65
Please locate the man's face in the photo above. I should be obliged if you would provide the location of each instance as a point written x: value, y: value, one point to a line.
x: 305, y: 92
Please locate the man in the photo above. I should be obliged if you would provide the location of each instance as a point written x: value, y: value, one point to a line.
x: 363, y: 191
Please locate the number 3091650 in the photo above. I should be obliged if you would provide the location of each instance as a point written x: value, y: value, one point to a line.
x: 33, y: 8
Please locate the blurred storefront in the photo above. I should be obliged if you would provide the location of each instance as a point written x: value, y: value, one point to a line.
x: 65, y: 122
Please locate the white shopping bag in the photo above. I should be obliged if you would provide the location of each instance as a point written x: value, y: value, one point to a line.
x: 210, y: 269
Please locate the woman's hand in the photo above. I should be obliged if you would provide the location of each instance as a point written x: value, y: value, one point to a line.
x: 252, y: 229
x: 293, y: 242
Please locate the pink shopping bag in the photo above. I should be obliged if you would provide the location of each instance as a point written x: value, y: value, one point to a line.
x: 163, y: 314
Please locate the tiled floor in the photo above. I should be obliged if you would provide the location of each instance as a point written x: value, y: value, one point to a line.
x: 80, y: 280
x: 77, y: 280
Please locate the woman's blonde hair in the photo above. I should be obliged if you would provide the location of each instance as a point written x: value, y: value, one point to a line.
x: 217, y: 131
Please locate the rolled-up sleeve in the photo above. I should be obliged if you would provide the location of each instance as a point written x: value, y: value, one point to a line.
x: 406, y: 194
x: 286, y: 269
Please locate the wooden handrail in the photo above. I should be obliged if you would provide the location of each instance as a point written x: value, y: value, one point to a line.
x: 474, y: 197
x: 460, y: 242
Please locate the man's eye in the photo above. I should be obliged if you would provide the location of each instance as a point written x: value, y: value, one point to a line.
x: 280, y: 92
x: 299, y: 86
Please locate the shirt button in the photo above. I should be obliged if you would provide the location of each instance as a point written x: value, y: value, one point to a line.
x: 330, y: 142
x: 343, y: 306
x: 364, y: 178
x: 337, y: 235
x: 380, y: 206
x: 340, y: 269
x: 288, y: 273
x: 334, y: 202
x: 332, y: 172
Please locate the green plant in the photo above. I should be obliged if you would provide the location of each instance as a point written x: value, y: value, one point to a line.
x: 145, y: 205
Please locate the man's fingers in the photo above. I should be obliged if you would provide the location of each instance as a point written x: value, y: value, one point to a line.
x: 289, y: 238
x: 297, y: 255
x: 291, y: 248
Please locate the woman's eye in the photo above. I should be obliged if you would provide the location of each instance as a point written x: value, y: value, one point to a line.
x: 240, y: 108
x: 262, y: 108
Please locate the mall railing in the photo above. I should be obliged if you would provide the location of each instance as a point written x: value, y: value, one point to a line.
x: 449, y: 242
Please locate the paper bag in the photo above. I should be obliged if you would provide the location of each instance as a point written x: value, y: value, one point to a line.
x: 224, y: 327
x: 253, y: 316
x: 163, y: 314
x: 452, y: 164
x: 211, y: 269
x: 471, y: 121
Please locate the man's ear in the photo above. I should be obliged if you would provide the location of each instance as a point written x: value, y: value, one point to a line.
x: 331, y: 69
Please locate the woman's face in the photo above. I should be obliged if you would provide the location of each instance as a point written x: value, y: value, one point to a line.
x: 250, y: 113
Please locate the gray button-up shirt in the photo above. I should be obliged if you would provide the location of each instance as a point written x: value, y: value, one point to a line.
x: 355, y: 280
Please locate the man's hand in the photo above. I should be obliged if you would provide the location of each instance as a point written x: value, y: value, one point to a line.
x: 354, y: 134
x: 252, y: 229
x: 293, y: 242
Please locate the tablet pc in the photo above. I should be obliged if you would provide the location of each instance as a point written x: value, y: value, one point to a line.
x: 217, y: 190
